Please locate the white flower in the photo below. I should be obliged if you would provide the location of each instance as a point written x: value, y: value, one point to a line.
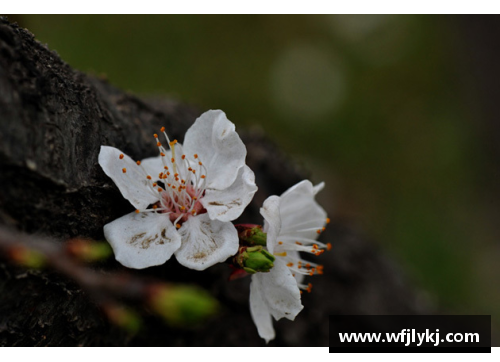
x: 292, y: 223
x: 194, y: 192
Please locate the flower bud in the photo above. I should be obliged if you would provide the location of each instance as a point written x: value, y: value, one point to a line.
x: 251, y: 234
x: 182, y: 305
x: 89, y: 250
x: 123, y: 317
x: 27, y: 257
x: 254, y: 259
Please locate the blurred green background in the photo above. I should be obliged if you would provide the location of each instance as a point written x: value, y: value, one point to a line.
x: 386, y: 109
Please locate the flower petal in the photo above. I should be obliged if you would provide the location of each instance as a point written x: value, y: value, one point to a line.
x: 206, y: 242
x: 301, y: 215
x: 153, y: 166
x: 133, y: 183
x: 228, y: 204
x: 142, y: 240
x: 260, y: 312
x: 294, y: 256
x: 280, y: 291
x: 318, y: 188
x: 214, y: 139
x: 272, y: 221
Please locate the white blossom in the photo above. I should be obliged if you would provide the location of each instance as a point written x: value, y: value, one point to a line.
x: 292, y: 222
x: 184, y: 199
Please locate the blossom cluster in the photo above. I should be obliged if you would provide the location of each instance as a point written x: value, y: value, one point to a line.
x: 186, y: 200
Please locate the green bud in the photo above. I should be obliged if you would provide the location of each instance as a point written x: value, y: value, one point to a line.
x: 28, y: 257
x: 183, y: 305
x: 123, y: 317
x: 89, y: 250
x: 255, y: 259
x: 252, y: 234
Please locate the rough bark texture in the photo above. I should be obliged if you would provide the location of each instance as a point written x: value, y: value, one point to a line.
x: 53, y: 120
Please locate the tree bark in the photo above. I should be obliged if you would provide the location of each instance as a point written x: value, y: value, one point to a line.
x: 53, y: 120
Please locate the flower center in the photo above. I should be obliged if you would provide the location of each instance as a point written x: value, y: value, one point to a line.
x: 179, y: 185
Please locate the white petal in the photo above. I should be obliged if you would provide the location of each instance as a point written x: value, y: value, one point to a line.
x: 142, y: 240
x: 272, y: 221
x: 260, y: 312
x: 301, y: 215
x: 133, y: 184
x: 318, y: 188
x: 280, y: 291
x: 153, y: 166
x: 228, y: 204
x: 293, y: 256
x: 214, y: 139
x: 206, y: 242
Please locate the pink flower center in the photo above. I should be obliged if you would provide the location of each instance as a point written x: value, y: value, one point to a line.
x: 179, y: 210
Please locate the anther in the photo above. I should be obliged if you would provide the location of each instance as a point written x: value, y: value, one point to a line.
x: 328, y: 246
x: 155, y: 135
x: 155, y: 207
x: 124, y: 170
x: 148, y: 177
x: 162, y: 154
x: 121, y: 156
x: 289, y: 265
x: 183, y: 157
x: 154, y: 184
x: 160, y: 189
x: 138, y: 163
x: 199, y: 163
x: 327, y: 220
x: 280, y: 242
x: 178, y: 226
x: 165, y: 167
x: 318, y: 231
x: 159, y: 144
x: 309, y: 288
x: 137, y: 211
x: 203, y: 176
x: 173, y: 160
x: 183, y: 208
x: 195, y: 155
x: 298, y: 243
x: 162, y: 129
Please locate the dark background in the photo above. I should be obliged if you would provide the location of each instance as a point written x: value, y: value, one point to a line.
x: 397, y: 114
